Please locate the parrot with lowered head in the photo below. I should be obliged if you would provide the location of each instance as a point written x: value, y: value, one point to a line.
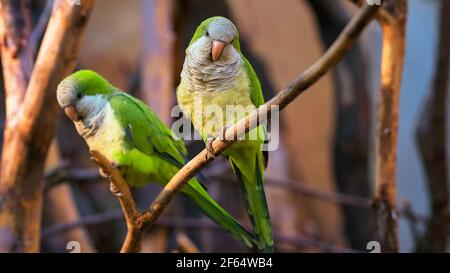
x: 129, y: 134
x: 216, y: 73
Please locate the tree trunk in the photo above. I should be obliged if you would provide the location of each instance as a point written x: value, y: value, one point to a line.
x: 28, y: 135
x: 393, y: 26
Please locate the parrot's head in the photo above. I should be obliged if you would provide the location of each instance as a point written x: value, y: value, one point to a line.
x: 83, y: 94
x: 215, y: 39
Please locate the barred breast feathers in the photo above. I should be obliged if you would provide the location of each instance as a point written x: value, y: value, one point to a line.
x: 200, y: 74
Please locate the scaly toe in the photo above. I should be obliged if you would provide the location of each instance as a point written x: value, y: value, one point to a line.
x: 103, y: 173
x: 115, y: 190
x: 222, y: 133
x: 209, y: 147
x: 115, y: 165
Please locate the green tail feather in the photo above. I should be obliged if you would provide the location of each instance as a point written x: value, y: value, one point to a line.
x: 255, y: 200
x: 195, y: 192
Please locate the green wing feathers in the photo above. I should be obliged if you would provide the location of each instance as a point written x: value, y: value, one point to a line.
x: 195, y: 192
x: 249, y: 169
x: 255, y: 86
x: 148, y: 132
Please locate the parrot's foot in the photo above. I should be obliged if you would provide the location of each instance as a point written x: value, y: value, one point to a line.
x: 115, y: 190
x: 103, y: 173
x: 115, y: 165
x: 222, y: 133
x: 210, y: 140
x: 209, y: 147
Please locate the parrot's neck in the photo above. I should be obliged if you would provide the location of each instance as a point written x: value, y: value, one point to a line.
x: 89, y: 126
x: 200, y: 74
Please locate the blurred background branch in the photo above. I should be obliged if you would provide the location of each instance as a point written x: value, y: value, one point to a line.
x: 353, y: 122
x: 432, y: 142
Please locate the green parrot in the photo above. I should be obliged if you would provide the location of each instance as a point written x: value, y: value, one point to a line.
x: 129, y: 134
x: 216, y: 74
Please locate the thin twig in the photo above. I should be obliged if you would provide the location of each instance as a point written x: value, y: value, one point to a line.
x: 307, y: 190
x: 39, y: 29
x: 88, y: 220
x: 65, y: 173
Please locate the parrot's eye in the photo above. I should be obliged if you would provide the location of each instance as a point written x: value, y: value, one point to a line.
x: 207, y: 33
x: 79, y: 96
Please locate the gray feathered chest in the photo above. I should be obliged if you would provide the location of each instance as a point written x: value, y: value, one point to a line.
x: 94, y: 121
x: 200, y: 74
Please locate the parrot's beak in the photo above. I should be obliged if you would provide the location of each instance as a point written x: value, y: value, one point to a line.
x: 71, y: 112
x: 217, y: 49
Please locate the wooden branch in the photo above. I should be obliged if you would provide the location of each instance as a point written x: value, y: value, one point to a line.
x: 392, y: 19
x: 387, y: 124
x: 25, y: 148
x: 17, y: 60
x: 134, y: 235
x: 382, y: 13
x: 432, y: 142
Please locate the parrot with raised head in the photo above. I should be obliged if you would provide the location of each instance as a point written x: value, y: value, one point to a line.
x: 216, y: 73
x: 130, y: 135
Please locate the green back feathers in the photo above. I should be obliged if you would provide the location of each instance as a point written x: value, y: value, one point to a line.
x: 145, y: 131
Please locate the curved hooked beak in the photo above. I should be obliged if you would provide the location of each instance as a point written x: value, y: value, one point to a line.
x: 71, y: 112
x: 217, y: 49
